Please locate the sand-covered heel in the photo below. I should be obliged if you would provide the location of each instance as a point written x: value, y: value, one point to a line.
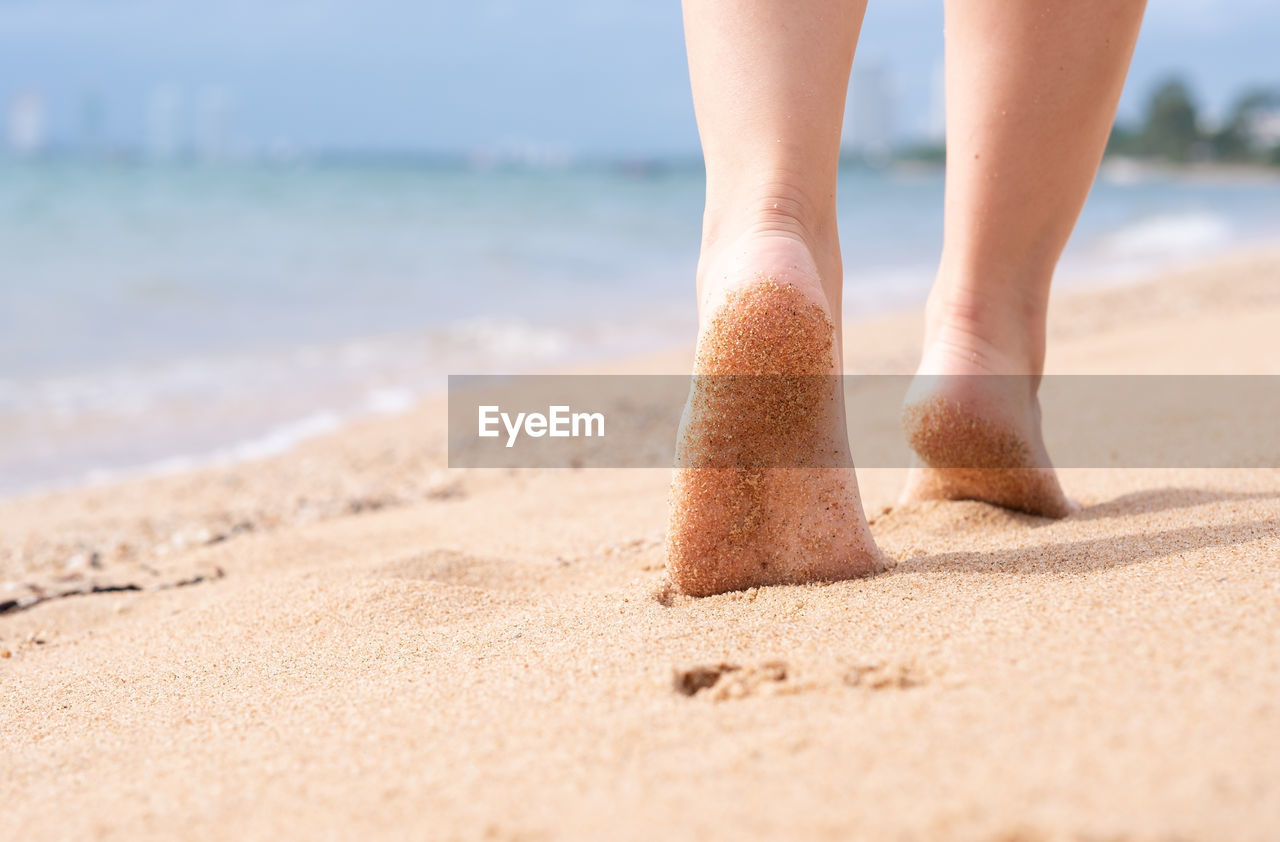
x: 764, y: 490
x: 965, y: 454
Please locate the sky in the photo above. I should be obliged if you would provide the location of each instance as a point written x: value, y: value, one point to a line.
x: 579, y: 77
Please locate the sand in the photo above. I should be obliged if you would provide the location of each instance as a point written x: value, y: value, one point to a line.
x: 370, y: 646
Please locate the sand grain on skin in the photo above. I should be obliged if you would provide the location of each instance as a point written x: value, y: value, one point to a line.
x: 970, y: 457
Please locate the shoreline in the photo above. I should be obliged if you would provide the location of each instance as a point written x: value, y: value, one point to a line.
x: 287, y: 434
x: 354, y: 477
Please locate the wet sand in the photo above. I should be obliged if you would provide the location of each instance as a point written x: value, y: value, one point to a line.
x: 350, y: 640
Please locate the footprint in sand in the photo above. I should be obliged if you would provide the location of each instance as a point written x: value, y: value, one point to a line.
x: 730, y: 681
x: 719, y: 682
x: 880, y: 675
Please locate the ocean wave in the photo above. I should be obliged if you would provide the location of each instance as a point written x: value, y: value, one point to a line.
x: 1169, y: 235
x: 391, y: 364
x: 503, y: 340
x: 162, y: 417
x: 279, y: 439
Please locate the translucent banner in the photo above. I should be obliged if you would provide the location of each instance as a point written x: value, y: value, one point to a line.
x: 742, y: 421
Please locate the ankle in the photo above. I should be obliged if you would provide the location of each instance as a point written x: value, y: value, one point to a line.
x: 754, y: 229
x: 983, y: 331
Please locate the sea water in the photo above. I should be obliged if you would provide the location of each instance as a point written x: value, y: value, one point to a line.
x: 156, y: 315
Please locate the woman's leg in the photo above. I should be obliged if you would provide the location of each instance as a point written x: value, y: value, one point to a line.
x: 769, y: 80
x: 1032, y: 89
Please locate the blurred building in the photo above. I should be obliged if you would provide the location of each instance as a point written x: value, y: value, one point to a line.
x: 215, y: 111
x: 164, y: 123
x: 936, y: 131
x: 92, y: 137
x: 869, y: 112
x: 1264, y: 128
x: 25, y: 123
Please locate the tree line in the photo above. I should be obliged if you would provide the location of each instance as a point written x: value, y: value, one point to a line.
x: 1172, y: 129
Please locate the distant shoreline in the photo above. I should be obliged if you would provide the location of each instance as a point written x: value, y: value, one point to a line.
x: 639, y: 166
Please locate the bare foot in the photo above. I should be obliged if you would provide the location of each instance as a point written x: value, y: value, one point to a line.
x: 764, y: 490
x: 973, y: 420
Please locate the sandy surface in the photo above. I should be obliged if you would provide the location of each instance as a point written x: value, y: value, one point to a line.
x: 350, y: 641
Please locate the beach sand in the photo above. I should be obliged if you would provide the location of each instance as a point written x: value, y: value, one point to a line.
x: 351, y: 641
